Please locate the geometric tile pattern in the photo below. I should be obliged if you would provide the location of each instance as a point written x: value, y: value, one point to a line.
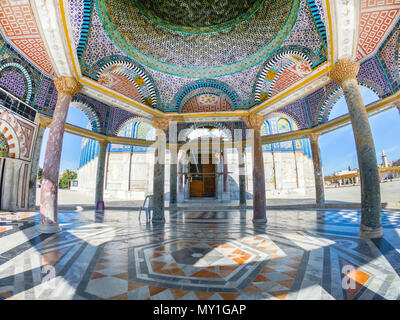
x: 199, y: 256
x: 19, y: 27
x: 376, y: 21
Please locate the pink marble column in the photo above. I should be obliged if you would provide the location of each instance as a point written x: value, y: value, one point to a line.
x: 254, y: 122
x: 66, y: 87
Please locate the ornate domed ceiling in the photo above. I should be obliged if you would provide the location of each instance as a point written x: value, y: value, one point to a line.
x: 214, y: 59
x: 201, y: 38
x: 197, y: 16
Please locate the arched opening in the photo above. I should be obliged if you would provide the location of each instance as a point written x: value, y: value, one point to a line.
x: 288, y: 164
x: 77, y: 153
x: 129, y: 168
x: 340, y: 106
x: 340, y: 159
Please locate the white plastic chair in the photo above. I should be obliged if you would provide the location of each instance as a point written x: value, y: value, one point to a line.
x: 147, y: 207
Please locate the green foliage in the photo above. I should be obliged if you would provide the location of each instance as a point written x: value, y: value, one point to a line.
x: 65, y: 179
x: 40, y: 174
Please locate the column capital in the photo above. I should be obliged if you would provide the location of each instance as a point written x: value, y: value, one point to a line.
x: 160, y: 123
x: 344, y: 70
x: 313, y: 137
x: 179, y: 119
x: 67, y: 86
x: 253, y: 121
x: 44, y: 122
x: 103, y: 142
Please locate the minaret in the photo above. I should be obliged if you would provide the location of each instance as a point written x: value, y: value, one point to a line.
x: 384, y: 160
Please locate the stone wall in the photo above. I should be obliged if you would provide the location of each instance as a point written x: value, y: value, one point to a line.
x: 15, y: 162
x: 129, y: 176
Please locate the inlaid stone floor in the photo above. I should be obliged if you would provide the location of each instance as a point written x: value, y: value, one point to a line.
x: 199, y: 255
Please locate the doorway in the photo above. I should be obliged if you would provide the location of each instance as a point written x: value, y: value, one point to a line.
x: 202, y: 178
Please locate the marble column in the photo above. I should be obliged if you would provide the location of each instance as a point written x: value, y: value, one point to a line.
x: 173, y: 176
x: 173, y: 159
x: 43, y: 124
x: 254, y: 122
x: 345, y: 72
x: 101, y: 163
x: 318, y: 172
x: 242, y: 177
x: 161, y: 125
x: 66, y: 87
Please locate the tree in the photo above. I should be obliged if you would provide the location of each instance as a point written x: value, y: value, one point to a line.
x: 66, y: 177
x: 40, y: 174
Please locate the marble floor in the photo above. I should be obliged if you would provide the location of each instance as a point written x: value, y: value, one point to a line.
x: 299, y: 254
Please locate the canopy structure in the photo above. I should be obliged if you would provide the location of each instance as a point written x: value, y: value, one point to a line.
x: 204, y: 63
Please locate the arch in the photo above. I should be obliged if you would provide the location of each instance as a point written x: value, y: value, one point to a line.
x: 11, y: 135
x: 27, y: 78
x: 332, y: 97
x: 183, y: 134
x: 125, y: 67
x: 267, y: 76
x: 89, y: 111
x: 132, y: 120
x: 206, y: 87
x: 266, y: 128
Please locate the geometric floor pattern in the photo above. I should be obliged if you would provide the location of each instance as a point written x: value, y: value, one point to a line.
x: 299, y: 254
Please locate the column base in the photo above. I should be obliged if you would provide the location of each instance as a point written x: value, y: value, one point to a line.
x: 370, y: 233
x: 320, y: 205
x: 173, y: 206
x: 158, y: 220
x: 55, y: 228
x: 260, y: 221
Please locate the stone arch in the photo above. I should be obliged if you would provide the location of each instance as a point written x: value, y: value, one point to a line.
x: 268, y: 76
x: 130, y: 120
x: 183, y: 133
x: 204, y: 87
x: 125, y: 67
x: 12, y: 132
x: 332, y: 96
x: 89, y: 111
x: 28, y: 95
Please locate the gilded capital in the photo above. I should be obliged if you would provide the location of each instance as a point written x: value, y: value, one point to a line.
x: 44, y: 122
x: 313, y: 137
x: 160, y: 123
x: 67, y: 86
x: 254, y: 121
x: 179, y: 119
x: 344, y: 70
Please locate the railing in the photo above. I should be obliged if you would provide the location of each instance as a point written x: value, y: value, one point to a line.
x: 16, y: 105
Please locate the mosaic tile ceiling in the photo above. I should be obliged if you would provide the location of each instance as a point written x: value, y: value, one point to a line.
x: 197, y: 16
x: 200, y: 55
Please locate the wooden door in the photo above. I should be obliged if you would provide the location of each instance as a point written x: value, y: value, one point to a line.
x: 202, y: 182
x: 209, y: 179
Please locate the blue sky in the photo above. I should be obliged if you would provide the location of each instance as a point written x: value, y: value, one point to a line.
x: 71, y: 150
x: 338, y: 150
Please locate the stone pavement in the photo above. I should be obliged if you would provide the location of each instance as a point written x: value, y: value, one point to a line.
x: 199, y: 256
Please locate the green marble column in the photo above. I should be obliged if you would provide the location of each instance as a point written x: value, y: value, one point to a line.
x: 242, y: 177
x: 35, y: 162
x: 254, y: 123
x: 161, y: 125
x: 318, y: 172
x: 101, y: 163
x: 345, y: 72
